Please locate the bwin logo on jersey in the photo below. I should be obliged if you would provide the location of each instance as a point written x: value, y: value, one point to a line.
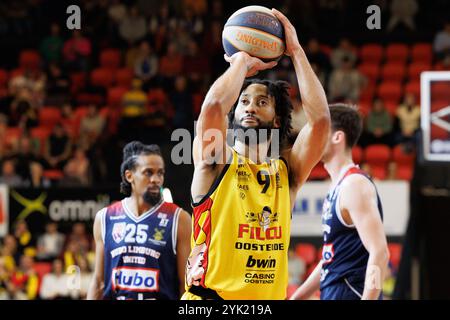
x: 135, y: 279
x: 118, y: 231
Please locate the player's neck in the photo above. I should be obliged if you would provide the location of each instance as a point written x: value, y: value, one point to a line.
x: 138, y: 206
x: 255, y: 152
x: 338, y: 163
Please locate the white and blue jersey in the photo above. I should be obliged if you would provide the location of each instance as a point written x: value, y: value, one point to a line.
x: 344, y: 257
x: 140, y: 252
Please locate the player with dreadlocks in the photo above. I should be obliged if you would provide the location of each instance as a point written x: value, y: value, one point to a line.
x: 142, y: 242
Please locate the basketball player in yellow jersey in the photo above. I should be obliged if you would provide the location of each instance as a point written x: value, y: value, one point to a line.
x: 242, y: 197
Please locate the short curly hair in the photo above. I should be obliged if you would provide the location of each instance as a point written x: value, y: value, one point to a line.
x: 283, y: 104
x: 131, y: 152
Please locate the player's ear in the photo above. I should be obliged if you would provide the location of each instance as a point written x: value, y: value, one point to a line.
x: 129, y: 176
x: 277, y: 122
x: 338, y: 136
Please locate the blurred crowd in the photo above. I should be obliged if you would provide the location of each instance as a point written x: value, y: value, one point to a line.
x: 52, y: 265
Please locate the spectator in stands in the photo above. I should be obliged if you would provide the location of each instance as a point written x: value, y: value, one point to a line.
x: 195, y: 65
x: 68, y: 120
x: 379, y: 124
x: 4, y: 279
x: 408, y: 114
x: 297, y: 268
x: 191, y: 22
x: 26, y: 242
x: 117, y: 11
x: 133, y: 27
x: 91, y: 127
x: 9, y: 175
x: 28, y: 164
x: 24, y: 284
x: 24, y: 112
x: 146, y: 64
x: 54, y: 285
x: 162, y: 20
x: 77, y: 51
x: 134, y: 110
x: 171, y: 64
x: 57, y: 148
x: 76, y: 171
x: 316, y: 55
x: 441, y: 44
x: 9, y: 253
x: 51, y: 46
x: 345, y: 82
x: 80, y: 236
x: 58, y: 85
x: 181, y: 99
x: 73, y: 253
x: 403, y: 11
x: 50, y: 244
x: 345, y: 51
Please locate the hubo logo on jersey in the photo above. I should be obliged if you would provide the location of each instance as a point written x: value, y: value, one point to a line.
x: 118, y: 231
x: 327, y: 253
x: 135, y: 279
x: 163, y: 219
x: 264, y: 231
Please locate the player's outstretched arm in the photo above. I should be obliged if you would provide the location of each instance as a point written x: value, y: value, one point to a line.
x: 311, y: 141
x: 310, y: 286
x: 358, y: 199
x: 183, y: 246
x: 95, y: 291
x: 218, y: 102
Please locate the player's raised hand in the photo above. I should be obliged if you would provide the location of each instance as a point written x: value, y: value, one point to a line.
x: 254, y: 65
x: 292, y: 43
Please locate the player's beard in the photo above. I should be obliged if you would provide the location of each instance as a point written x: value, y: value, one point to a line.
x: 250, y: 132
x: 152, y: 198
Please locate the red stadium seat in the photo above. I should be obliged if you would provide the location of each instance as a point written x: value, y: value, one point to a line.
x: 422, y: 52
x: 414, y: 88
x: 102, y: 77
x: 307, y: 252
x: 115, y: 95
x: 395, y: 251
x: 372, y: 53
x: 415, y: 69
x: 110, y: 58
x: 318, y: 172
x: 357, y: 154
x: 371, y: 71
x: 29, y: 59
x: 124, y: 77
x: 391, y: 106
x: 393, y: 72
x: 397, y: 52
x: 404, y: 163
x: 390, y: 90
x: 377, y: 156
x: 78, y: 80
x: 49, y: 116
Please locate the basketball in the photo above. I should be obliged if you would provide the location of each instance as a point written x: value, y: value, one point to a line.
x: 255, y: 30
